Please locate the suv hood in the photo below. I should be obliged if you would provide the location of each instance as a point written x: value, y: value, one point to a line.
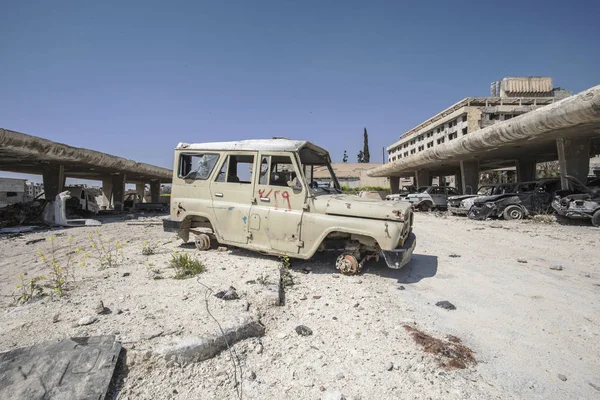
x: 354, y: 206
x: 462, y: 197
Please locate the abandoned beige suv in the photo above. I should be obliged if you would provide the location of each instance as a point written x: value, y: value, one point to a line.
x: 260, y: 195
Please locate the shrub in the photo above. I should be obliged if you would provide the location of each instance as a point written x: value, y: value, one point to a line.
x: 109, y: 252
x: 60, y: 268
x: 29, y: 290
x: 186, y: 266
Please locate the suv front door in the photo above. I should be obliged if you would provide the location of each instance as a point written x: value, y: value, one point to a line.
x: 276, y: 217
x: 438, y: 195
x: 232, y: 196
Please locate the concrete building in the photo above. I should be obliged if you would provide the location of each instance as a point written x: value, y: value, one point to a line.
x: 352, y: 174
x: 33, y: 190
x: 11, y: 191
x: 567, y: 130
x: 509, y: 98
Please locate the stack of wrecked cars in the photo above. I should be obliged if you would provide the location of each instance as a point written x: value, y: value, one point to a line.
x: 582, y: 202
x: 261, y: 195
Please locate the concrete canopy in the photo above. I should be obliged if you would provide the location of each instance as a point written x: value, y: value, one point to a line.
x: 531, y: 135
x: 34, y: 155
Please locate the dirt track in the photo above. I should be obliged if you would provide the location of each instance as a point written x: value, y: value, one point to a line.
x: 525, y: 322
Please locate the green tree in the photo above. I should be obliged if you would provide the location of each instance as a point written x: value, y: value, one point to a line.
x: 366, y: 156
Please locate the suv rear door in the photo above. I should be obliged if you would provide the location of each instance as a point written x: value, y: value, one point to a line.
x: 232, y: 196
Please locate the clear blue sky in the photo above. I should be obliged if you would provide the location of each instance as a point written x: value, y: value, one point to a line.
x: 133, y: 78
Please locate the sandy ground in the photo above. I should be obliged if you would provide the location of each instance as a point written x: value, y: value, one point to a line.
x: 534, y: 328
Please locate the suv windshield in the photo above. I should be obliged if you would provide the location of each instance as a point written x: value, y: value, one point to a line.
x: 321, y: 178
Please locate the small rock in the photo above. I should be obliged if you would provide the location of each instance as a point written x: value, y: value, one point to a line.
x: 335, y: 275
x: 251, y: 282
x: 594, y: 386
x: 334, y: 318
x: 99, y: 308
x: 306, y: 270
x: 142, y: 306
x: 401, y: 287
x: 446, y: 305
x: 184, y: 297
x: 562, y: 377
x: 454, y: 255
x: 221, y: 248
x: 119, y: 311
x: 125, y: 274
x: 356, y: 305
x: 303, y: 297
x: 316, y: 297
x: 557, y: 267
x: 339, y: 376
x: 252, y: 376
x: 359, y: 281
x: 522, y: 260
x: 389, y: 366
x: 87, y: 320
x: 55, y: 318
x: 245, y: 305
x: 303, y: 330
x: 229, y: 294
x: 322, y: 388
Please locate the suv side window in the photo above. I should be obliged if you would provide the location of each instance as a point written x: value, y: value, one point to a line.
x: 452, y: 192
x: 436, y: 190
x: 236, y: 169
x: 282, y: 171
x: 196, y: 166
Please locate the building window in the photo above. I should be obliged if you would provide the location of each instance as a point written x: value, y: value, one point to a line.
x: 421, y: 148
x: 452, y: 136
x: 493, y: 117
x: 430, y: 144
x: 413, y: 151
x: 465, y: 131
x: 507, y: 116
x: 399, y: 155
x: 405, y: 153
x: 441, y: 140
x: 464, y: 118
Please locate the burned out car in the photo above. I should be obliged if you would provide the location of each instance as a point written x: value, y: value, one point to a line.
x: 431, y: 197
x: 527, y: 198
x: 463, y: 203
x: 580, y: 202
x: 261, y: 195
x: 405, y: 191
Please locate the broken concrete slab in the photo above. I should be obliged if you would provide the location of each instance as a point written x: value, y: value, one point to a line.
x: 197, y: 349
x: 73, y: 368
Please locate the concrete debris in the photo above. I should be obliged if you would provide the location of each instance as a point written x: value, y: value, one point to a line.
x: 562, y: 377
x: 454, y: 255
x: 229, y: 294
x: 33, y: 241
x: 445, y: 305
x: 27, y: 213
x: 99, y: 308
x: 303, y: 330
x: 74, y: 368
x: 557, y: 267
x: 199, y: 349
x: 87, y: 320
x: 252, y: 376
x: 389, y: 366
x: 522, y: 261
x: 401, y: 287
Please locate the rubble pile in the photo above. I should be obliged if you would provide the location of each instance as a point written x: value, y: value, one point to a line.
x: 28, y: 213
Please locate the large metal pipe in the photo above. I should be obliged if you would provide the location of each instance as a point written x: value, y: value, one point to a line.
x: 569, y: 116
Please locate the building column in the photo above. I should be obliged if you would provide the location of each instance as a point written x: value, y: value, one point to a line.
x: 118, y: 191
x: 107, y: 188
x: 423, y: 178
x: 140, y: 190
x: 155, y: 191
x: 54, y: 181
x: 573, y: 159
x: 395, y: 184
x: 469, y: 176
x: 526, y: 169
x: 458, y: 181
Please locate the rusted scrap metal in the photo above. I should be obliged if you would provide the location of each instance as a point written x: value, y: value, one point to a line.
x: 26, y: 213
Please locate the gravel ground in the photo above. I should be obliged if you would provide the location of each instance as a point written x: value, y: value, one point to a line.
x: 526, y: 297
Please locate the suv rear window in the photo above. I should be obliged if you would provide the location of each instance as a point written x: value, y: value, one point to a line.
x: 197, y: 166
x: 236, y: 169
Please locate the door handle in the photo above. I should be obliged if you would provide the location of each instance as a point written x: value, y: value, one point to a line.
x: 217, y: 194
x: 265, y: 199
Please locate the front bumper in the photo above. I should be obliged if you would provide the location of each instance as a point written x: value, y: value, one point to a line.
x: 482, y: 212
x: 399, y: 257
x: 570, y: 212
x: 458, y: 210
x: 171, y: 226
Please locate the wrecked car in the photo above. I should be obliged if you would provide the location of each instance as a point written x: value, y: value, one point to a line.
x: 581, y: 202
x: 431, y: 197
x: 463, y: 203
x: 405, y: 191
x: 527, y: 198
x: 261, y: 195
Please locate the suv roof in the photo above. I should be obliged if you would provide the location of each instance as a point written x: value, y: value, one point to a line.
x: 254, y: 145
